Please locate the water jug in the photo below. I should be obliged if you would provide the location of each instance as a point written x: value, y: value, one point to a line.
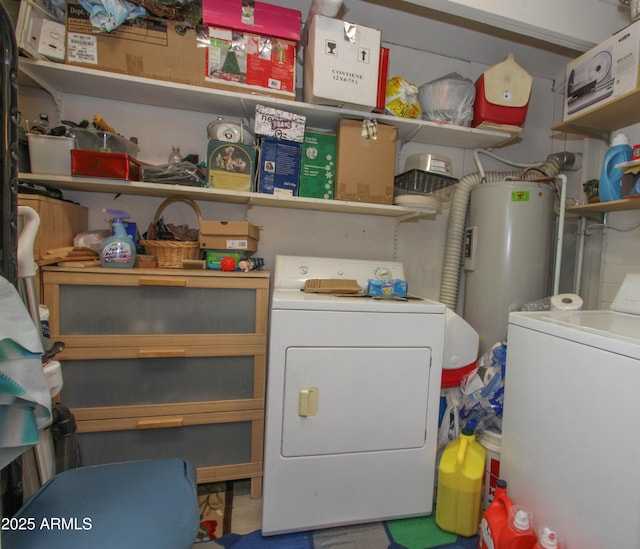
x: 610, y: 186
x: 460, y: 482
x: 518, y: 533
x: 495, y: 518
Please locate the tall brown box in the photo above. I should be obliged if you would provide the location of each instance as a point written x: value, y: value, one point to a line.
x: 60, y: 222
x: 365, y: 166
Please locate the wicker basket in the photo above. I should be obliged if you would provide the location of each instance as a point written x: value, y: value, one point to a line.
x: 171, y: 253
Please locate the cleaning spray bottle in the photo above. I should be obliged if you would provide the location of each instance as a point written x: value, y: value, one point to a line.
x: 610, y: 186
x: 118, y: 250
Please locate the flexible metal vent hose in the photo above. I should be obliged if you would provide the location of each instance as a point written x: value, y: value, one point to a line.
x: 449, y: 284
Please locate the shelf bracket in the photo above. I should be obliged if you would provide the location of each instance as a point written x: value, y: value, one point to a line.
x: 53, y: 92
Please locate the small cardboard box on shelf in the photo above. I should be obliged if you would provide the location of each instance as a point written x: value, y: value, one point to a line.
x: 365, y: 166
x: 229, y: 235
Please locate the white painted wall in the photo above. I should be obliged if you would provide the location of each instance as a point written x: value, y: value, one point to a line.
x: 578, y: 24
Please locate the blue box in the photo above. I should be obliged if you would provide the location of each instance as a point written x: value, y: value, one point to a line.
x: 387, y: 288
x: 279, y: 167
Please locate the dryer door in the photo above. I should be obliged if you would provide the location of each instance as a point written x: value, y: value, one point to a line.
x: 354, y: 399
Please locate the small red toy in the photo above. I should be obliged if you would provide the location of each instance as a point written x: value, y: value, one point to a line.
x: 228, y: 264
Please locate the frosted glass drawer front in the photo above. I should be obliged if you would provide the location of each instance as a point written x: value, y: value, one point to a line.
x: 141, y: 310
x: 204, y: 445
x: 122, y: 382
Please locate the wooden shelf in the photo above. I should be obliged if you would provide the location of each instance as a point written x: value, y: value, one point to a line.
x: 59, y: 78
x: 603, y: 207
x: 599, y: 122
x: 99, y: 185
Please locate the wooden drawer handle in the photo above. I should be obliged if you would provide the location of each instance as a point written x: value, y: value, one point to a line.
x: 171, y: 281
x: 161, y: 423
x: 162, y: 353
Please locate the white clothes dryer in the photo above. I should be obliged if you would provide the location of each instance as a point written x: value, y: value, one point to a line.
x: 352, y: 400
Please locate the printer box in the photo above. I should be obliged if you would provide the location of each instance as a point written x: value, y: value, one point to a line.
x: 230, y: 166
x: 279, y: 167
x: 365, y: 161
x: 603, y: 73
x: 317, y: 165
x: 341, y: 64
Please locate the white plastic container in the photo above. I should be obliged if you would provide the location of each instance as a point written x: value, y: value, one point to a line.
x: 50, y: 154
x: 492, y: 443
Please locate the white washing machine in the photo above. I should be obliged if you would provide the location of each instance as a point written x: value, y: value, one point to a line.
x: 569, y: 445
x: 352, y: 400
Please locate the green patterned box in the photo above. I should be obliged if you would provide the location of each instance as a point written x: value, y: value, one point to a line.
x: 317, y: 165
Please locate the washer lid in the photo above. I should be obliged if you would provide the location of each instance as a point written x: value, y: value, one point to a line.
x: 298, y: 300
x: 608, y: 330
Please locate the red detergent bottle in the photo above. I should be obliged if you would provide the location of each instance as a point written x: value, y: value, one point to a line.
x: 495, y: 518
x: 518, y: 533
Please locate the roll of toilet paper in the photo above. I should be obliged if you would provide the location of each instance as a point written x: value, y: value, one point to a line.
x: 566, y: 302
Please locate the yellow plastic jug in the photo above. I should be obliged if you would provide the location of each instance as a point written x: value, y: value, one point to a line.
x: 460, y: 485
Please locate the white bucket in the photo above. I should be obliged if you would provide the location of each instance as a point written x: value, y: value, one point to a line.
x: 492, y: 443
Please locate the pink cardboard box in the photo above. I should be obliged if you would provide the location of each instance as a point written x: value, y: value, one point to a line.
x: 253, y: 17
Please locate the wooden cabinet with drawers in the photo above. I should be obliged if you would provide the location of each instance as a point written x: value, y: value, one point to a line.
x: 163, y: 363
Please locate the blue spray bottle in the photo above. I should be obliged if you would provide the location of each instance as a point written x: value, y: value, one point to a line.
x: 610, y: 186
x: 118, y: 250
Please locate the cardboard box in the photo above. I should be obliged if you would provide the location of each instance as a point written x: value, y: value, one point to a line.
x: 341, y: 64
x: 365, y: 167
x: 229, y: 235
x: 603, y: 73
x: 279, y: 167
x: 231, y: 166
x: 60, y: 222
x: 149, y: 48
x: 253, y: 17
x: 251, y: 62
x: 317, y: 165
x: 270, y: 122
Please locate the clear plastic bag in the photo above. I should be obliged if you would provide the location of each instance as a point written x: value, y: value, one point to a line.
x: 483, y: 391
x: 448, y: 99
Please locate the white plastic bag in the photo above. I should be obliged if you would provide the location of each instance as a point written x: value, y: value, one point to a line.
x: 448, y: 99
